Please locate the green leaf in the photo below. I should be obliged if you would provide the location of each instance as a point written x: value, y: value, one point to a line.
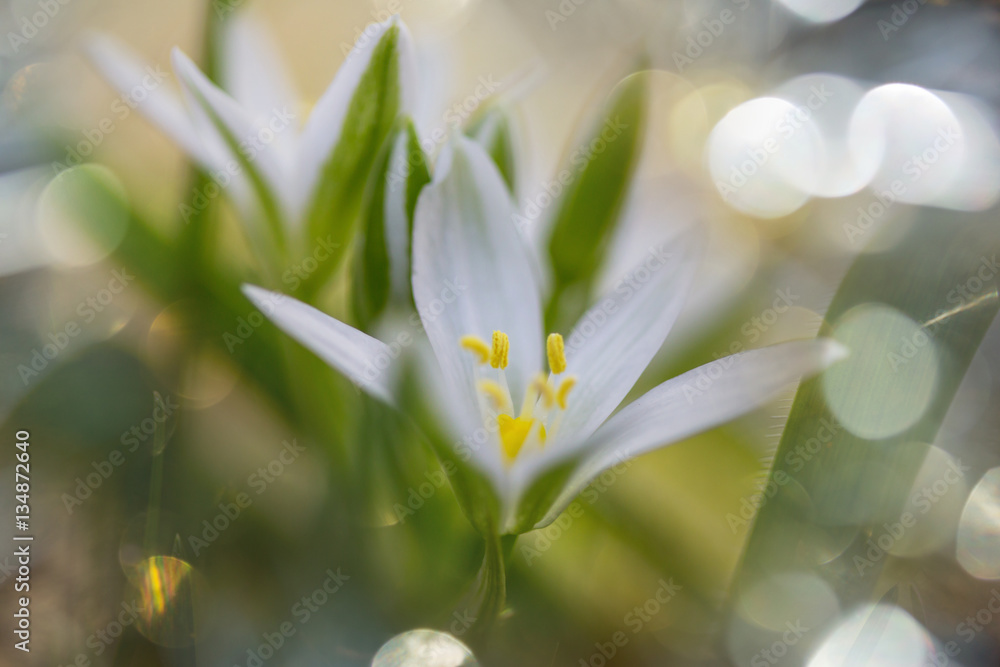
x: 601, y: 170
x: 845, y: 464
x: 538, y: 499
x: 341, y: 185
x: 474, y: 492
x: 269, y: 206
x: 400, y: 174
x: 194, y: 243
x: 492, y: 130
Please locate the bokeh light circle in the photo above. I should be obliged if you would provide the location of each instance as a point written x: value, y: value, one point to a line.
x: 917, y: 138
x: 424, y: 648
x: 831, y: 99
x: 821, y: 11
x: 76, y: 229
x: 977, y: 545
x: 762, y: 157
x: 888, y: 381
x: 880, y: 634
x: 772, y: 601
x: 934, y: 501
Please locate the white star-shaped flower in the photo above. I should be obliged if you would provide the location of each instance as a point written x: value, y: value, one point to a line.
x: 532, y: 412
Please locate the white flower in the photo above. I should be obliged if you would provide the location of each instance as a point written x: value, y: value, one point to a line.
x: 544, y: 434
x: 279, y: 170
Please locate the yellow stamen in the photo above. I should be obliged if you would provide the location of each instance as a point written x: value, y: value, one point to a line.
x: 542, y: 387
x: 501, y: 348
x: 496, y: 393
x: 541, y: 433
x: 477, y: 346
x: 564, y: 389
x: 513, y: 432
x: 557, y: 353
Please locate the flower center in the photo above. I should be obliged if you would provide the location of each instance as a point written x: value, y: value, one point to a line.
x: 545, y: 398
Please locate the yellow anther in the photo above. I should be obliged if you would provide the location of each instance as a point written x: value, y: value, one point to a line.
x: 501, y: 348
x: 541, y: 433
x: 513, y: 432
x: 557, y: 353
x: 496, y: 393
x: 542, y: 388
x: 477, y: 346
x: 564, y: 389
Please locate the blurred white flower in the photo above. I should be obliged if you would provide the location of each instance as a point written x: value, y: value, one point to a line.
x: 279, y: 170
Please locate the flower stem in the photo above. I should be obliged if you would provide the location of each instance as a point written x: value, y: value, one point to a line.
x: 490, y: 596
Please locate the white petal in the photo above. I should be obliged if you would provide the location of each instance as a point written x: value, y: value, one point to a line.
x: 126, y: 72
x: 207, y: 96
x: 363, y: 359
x: 253, y: 70
x: 323, y: 129
x: 255, y: 75
x: 695, y: 402
x: 614, y: 342
x: 471, y: 272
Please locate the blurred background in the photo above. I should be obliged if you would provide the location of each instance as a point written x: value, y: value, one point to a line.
x: 205, y: 492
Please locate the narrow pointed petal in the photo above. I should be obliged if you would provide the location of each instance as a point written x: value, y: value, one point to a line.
x: 614, y: 342
x: 357, y: 355
x: 325, y: 126
x: 472, y: 276
x: 254, y: 74
x: 471, y: 270
x: 694, y: 402
x: 229, y: 118
x: 252, y: 68
x: 124, y: 70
